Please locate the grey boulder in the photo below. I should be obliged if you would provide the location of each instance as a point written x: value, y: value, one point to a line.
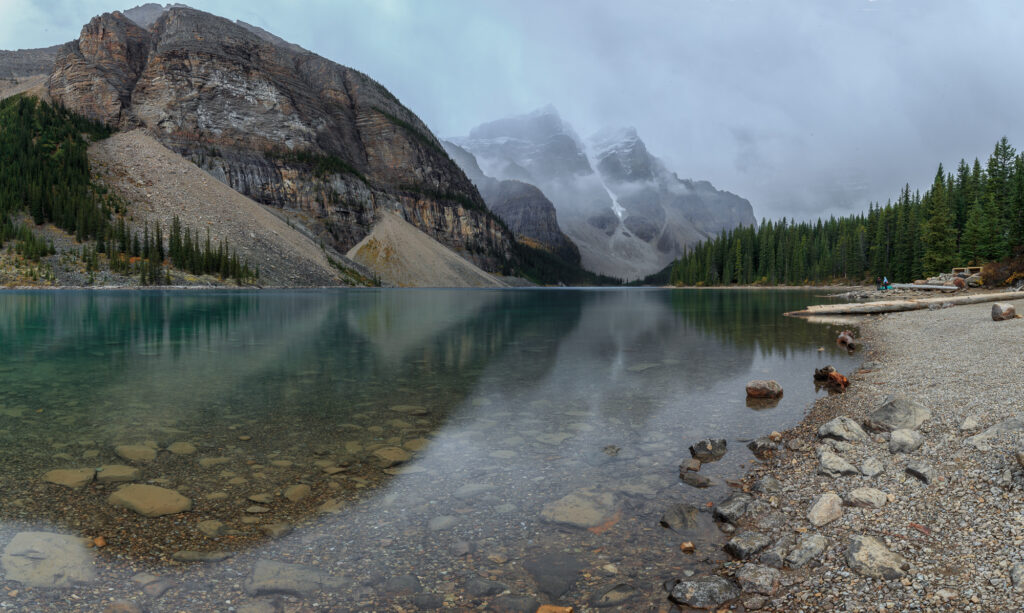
x: 897, y: 412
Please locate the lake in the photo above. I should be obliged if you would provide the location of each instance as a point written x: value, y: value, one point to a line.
x: 458, y: 448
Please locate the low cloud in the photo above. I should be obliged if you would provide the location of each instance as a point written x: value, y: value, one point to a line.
x: 803, y: 107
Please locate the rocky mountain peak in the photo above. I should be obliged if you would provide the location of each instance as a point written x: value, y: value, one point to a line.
x: 621, y: 156
x: 535, y: 146
x: 146, y: 15
x: 279, y: 124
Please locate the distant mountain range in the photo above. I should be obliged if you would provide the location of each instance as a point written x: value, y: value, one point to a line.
x: 330, y: 150
x: 628, y: 214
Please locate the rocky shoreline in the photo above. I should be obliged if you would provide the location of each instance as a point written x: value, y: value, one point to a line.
x: 904, y: 493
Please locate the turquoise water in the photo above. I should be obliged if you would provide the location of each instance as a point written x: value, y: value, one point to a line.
x: 500, y: 403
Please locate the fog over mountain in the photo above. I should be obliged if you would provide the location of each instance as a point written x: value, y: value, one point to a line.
x: 802, y: 107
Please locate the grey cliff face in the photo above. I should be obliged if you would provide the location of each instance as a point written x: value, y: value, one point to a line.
x: 629, y: 215
x: 523, y: 207
x: 281, y: 125
x: 27, y: 62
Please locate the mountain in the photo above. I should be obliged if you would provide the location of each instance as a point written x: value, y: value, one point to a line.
x: 27, y: 62
x: 523, y: 207
x: 628, y: 214
x: 326, y: 145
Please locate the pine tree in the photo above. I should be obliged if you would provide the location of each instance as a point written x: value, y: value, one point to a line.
x: 938, y: 231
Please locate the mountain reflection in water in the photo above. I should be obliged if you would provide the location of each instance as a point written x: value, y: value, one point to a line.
x: 422, y: 421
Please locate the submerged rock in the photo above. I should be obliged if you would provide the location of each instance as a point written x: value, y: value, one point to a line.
x: 150, y: 500
x: 298, y: 492
x: 695, y: 479
x: 680, y: 517
x: 47, y: 560
x: 391, y: 456
x: 135, y: 453
x: 74, y: 478
x: 269, y: 577
x: 200, y: 556
x: 615, y: 596
x: 181, y: 448
x: 117, y: 473
x: 584, y: 508
x: 554, y: 573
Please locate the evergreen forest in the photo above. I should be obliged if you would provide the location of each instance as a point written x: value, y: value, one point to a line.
x: 44, y: 173
x: 972, y: 216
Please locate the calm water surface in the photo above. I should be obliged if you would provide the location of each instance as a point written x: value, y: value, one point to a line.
x: 496, y: 406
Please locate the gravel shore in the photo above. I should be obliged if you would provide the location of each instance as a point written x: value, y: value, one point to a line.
x: 953, y: 543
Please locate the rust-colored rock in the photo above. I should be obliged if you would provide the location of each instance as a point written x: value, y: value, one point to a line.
x: 838, y: 381
x: 764, y: 389
x: 1002, y: 311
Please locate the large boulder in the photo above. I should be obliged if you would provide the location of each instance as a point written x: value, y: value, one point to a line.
x: 732, y: 508
x: 1002, y: 311
x: 761, y: 388
x: 833, y: 465
x: 746, y: 544
x: 981, y: 440
x: 810, y: 546
x: 843, y: 429
x: 897, y: 412
x: 869, y: 556
x: 905, y: 441
x: 826, y: 508
x: 709, y: 449
x: 759, y: 579
x: 705, y: 592
x: 867, y: 497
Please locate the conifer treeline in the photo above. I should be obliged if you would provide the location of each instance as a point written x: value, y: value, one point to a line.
x: 971, y: 216
x: 44, y: 170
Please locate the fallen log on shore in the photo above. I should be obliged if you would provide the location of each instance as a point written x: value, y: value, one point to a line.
x: 896, y: 306
x: 941, y: 288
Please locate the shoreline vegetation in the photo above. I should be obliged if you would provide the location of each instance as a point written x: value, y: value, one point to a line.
x: 904, y: 491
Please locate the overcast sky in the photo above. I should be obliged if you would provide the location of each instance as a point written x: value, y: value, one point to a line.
x: 802, y: 107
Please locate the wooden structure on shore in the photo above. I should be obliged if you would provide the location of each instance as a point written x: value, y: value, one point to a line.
x: 896, y: 306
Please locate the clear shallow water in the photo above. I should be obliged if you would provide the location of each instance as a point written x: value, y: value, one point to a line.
x: 504, y: 401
